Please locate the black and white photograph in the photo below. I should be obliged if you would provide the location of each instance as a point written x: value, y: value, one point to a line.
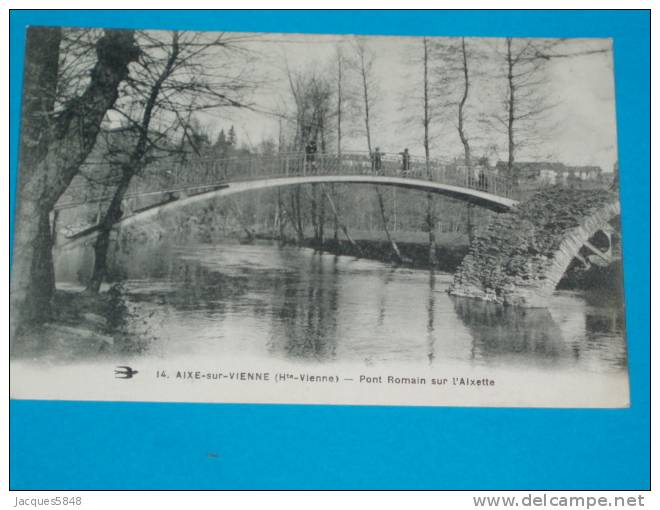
x: 234, y: 217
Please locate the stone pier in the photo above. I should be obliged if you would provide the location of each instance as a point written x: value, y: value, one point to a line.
x: 520, y: 256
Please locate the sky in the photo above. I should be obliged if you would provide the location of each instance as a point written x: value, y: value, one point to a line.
x: 580, y: 129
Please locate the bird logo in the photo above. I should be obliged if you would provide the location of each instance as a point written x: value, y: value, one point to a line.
x: 124, y: 372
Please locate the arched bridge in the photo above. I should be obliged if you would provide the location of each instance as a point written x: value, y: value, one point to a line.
x: 163, y: 189
x: 518, y: 258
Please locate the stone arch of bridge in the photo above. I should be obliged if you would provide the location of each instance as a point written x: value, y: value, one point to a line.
x: 513, y: 272
x: 574, y: 240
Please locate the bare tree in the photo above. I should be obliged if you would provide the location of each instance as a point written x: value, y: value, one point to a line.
x: 452, y: 61
x: 340, y: 95
x: 430, y: 212
x: 463, y: 102
x: 50, y: 161
x: 364, y: 61
x: 301, y: 107
x: 334, y: 202
x: 364, y: 65
x: 321, y: 93
x: 527, y: 103
x: 172, y: 80
x: 311, y: 92
x: 526, y: 99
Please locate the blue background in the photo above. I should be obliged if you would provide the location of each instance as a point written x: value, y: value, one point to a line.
x: 90, y: 445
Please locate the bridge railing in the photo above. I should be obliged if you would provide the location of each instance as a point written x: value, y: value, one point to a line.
x: 204, y: 173
x: 217, y: 171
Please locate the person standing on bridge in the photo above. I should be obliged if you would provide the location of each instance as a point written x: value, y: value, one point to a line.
x: 377, y: 161
x: 483, y: 181
x: 405, y: 161
x: 310, y: 153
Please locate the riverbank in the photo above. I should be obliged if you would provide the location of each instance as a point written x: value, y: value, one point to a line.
x: 82, y: 325
x: 449, y: 255
x: 415, y: 254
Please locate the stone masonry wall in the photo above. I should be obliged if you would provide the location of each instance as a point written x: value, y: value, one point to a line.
x: 520, y: 256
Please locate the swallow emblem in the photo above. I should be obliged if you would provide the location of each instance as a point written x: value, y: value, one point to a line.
x: 124, y: 372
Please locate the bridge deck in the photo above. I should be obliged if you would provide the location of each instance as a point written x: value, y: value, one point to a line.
x: 215, y: 172
x: 182, y: 185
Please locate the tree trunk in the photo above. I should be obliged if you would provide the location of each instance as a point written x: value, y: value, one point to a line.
x: 39, y: 91
x: 333, y: 193
x: 511, y: 110
x: 32, y: 277
x: 339, y: 104
x: 134, y: 166
x: 296, y: 216
x: 365, y: 92
x: 383, y: 216
x: 470, y: 224
x: 33, y: 268
x: 461, y: 129
x: 395, y: 210
x: 301, y: 230
x: 430, y: 223
x: 46, y: 173
x: 321, y: 221
x: 461, y: 105
x: 280, y: 210
x: 315, y: 225
x: 341, y: 225
x: 367, y: 125
x: 333, y: 190
x: 430, y: 213
x: 112, y: 215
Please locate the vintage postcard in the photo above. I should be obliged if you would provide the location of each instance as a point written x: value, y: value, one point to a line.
x: 317, y: 219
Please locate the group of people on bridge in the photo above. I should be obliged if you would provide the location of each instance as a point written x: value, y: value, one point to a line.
x: 472, y: 176
x: 376, y: 158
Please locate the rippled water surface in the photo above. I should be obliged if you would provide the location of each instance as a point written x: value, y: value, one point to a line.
x: 263, y: 301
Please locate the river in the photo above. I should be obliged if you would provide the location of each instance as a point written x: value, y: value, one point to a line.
x: 262, y: 301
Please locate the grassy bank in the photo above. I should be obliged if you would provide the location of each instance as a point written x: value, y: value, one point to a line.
x: 82, y: 325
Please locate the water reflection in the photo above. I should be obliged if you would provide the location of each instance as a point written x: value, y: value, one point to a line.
x: 262, y: 301
x: 304, y: 322
x: 526, y: 336
x: 430, y: 329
